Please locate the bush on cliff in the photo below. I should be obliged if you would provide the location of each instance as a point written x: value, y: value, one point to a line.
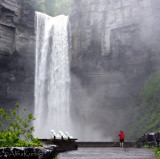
x: 148, y: 116
x: 16, y: 130
x: 51, y: 7
x: 38, y: 5
x: 58, y: 7
x: 157, y: 151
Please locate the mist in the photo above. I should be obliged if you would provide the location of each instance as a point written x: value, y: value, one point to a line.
x: 114, y: 50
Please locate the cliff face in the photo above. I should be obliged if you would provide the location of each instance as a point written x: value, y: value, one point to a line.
x: 115, y: 49
x: 16, y: 53
x: 100, y: 28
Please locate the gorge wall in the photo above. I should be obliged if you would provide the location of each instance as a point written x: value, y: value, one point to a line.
x: 115, y: 47
x: 16, y: 53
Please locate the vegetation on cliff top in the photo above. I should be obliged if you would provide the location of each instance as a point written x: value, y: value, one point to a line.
x: 16, y: 130
x: 148, y: 117
x: 51, y: 7
x: 57, y: 7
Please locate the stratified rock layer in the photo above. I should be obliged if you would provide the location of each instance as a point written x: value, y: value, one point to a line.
x: 16, y: 53
x: 115, y: 48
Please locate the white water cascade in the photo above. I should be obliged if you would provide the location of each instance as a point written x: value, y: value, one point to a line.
x: 52, y: 77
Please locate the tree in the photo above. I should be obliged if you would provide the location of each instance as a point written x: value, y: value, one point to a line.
x: 38, y: 5
x: 50, y: 6
x: 17, y: 130
x: 151, y: 92
x: 147, y: 118
x: 57, y: 7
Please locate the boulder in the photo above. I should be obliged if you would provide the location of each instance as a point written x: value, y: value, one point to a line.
x: 29, y: 152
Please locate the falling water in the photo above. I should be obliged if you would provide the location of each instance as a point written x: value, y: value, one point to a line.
x: 52, y: 78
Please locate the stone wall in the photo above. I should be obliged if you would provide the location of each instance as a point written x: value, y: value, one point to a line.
x: 93, y: 23
x: 16, y: 53
x: 115, y: 49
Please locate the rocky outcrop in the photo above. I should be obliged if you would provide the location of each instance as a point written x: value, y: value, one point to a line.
x: 45, y: 152
x: 16, y: 53
x: 115, y: 49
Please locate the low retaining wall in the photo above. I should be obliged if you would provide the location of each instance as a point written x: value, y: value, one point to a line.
x: 72, y: 144
x: 105, y: 144
x: 63, y: 145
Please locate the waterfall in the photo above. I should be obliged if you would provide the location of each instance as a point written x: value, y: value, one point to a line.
x: 52, y: 77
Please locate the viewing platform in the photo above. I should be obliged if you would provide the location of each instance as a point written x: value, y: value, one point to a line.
x: 105, y: 144
x: 72, y: 144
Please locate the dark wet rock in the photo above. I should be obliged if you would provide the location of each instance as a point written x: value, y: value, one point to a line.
x: 150, y: 139
x: 10, y: 12
x: 16, y: 53
x: 63, y: 145
x: 29, y: 152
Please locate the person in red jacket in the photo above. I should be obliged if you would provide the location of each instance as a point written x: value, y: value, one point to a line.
x: 121, y: 136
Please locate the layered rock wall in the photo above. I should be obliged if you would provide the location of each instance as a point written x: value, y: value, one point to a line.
x: 94, y: 24
x: 115, y: 49
x: 16, y: 53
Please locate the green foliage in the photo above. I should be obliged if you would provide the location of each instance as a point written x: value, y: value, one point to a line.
x: 148, y: 116
x: 157, y: 151
x: 16, y: 130
x: 145, y: 146
x: 150, y: 93
x: 62, y: 7
x: 58, y: 7
x: 38, y: 5
x: 51, y: 7
x: 56, y: 157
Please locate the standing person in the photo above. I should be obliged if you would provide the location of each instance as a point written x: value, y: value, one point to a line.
x: 121, y: 136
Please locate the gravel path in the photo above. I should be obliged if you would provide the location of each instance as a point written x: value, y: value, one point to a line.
x: 108, y: 153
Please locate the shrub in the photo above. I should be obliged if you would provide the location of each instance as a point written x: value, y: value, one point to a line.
x: 17, y: 130
x: 147, y: 118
